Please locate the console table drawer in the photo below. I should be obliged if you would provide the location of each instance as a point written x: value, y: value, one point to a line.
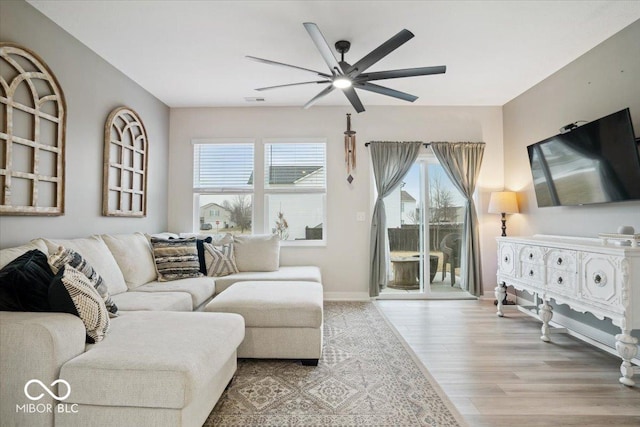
x: 562, y: 282
x: 532, y: 273
x: 559, y: 259
x: 600, y: 280
x: 530, y: 254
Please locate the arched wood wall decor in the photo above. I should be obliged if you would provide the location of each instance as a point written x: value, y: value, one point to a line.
x: 32, y: 135
x: 125, y: 165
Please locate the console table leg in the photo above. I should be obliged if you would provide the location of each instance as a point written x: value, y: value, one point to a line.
x: 546, y: 313
x: 627, y: 347
x: 500, y: 292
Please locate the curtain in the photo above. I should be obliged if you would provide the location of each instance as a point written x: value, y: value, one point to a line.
x: 461, y: 162
x: 391, y: 162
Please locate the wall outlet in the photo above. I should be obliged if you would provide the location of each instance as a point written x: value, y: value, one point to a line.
x: 361, y: 216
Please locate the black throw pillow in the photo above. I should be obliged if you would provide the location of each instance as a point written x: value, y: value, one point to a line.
x: 24, y: 283
x: 59, y: 298
x: 200, y: 245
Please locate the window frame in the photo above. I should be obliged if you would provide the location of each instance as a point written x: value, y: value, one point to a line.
x: 197, y: 192
x: 259, y: 191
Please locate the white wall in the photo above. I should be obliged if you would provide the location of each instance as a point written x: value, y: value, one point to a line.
x: 92, y: 88
x: 603, y: 81
x: 345, y: 259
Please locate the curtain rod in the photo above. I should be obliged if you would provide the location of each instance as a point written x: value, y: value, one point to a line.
x: 426, y: 144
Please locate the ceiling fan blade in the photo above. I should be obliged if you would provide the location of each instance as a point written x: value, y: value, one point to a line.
x: 380, y: 52
x: 323, y: 47
x: 268, y: 61
x: 353, y: 98
x: 313, y: 100
x: 386, y: 91
x: 293, y: 84
x: 406, y: 72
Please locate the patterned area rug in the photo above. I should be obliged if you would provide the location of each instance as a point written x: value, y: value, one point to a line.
x: 367, y: 377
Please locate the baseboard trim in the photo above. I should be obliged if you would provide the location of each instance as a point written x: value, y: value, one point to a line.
x: 346, y: 296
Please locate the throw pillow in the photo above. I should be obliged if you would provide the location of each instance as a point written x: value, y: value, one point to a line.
x: 72, y: 292
x: 257, y: 252
x: 175, y: 258
x: 216, y: 240
x: 220, y: 260
x: 200, y: 245
x: 70, y: 257
x: 24, y: 283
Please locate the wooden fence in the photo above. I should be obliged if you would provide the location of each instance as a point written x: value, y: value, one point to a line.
x: 407, y: 237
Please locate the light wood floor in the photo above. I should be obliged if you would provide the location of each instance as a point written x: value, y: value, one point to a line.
x: 499, y: 373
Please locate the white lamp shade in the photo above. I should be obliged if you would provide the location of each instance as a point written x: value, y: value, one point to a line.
x: 503, y: 202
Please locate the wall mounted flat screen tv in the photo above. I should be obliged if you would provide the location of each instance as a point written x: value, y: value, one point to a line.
x: 598, y: 162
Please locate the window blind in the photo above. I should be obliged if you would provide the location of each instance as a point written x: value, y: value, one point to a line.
x: 220, y: 167
x: 294, y: 166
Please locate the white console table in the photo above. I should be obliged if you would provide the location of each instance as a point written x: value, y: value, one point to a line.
x: 586, y: 274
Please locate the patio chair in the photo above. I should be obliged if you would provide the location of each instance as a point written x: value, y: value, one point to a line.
x: 450, y: 247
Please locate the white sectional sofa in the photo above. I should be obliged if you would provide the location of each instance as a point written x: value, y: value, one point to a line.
x: 163, y: 361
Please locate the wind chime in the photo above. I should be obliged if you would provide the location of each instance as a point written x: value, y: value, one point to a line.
x: 350, y: 149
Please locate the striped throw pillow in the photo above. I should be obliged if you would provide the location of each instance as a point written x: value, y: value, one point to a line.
x: 64, y: 256
x: 175, y: 258
x: 219, y: 260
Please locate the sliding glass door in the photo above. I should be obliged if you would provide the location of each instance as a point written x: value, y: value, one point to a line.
x: 424, y: 226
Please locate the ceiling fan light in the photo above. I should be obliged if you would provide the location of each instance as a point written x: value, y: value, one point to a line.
x: 342, y: 83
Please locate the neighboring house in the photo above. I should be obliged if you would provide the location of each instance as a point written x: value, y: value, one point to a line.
x: 286, y: 175
x: 393, y: 209
x: 401, y: 208
x: 295, y: 174
x: 216, y: 215
x: 408, y: 208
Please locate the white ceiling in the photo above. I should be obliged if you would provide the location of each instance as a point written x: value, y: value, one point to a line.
x: 191, y: 53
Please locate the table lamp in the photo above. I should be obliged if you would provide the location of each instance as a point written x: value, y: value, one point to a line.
x: 503, y: 202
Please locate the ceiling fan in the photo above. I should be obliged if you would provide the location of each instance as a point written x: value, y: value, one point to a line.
x: 349, y: 77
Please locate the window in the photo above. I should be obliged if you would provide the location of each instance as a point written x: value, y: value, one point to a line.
x: 223, y: 186
x: 295, y: 189
x: 234, y: 194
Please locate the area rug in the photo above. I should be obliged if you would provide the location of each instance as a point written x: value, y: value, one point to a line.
x: 367, y: 377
